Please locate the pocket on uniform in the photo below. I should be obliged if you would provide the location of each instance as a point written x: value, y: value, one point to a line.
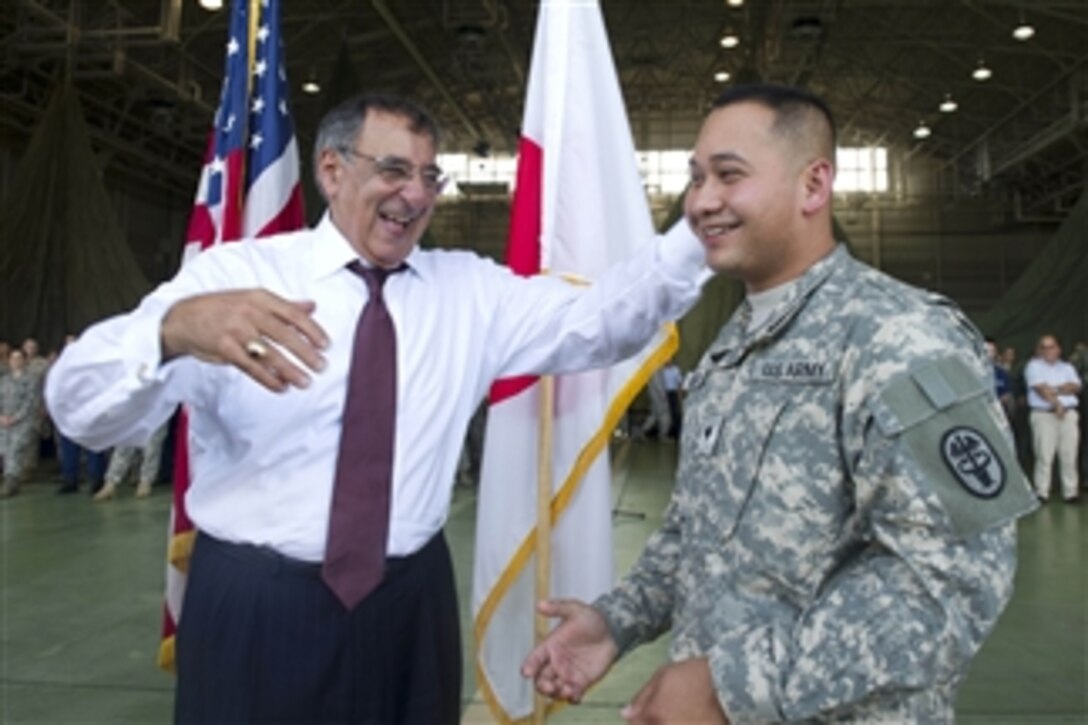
x: 727, y: 452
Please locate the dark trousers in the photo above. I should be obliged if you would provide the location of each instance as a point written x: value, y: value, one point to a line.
x: 70, y: 452
x: 263, y: 640
x: 674, y: 411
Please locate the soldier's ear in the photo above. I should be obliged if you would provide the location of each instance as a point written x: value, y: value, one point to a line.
x: 817, y: 181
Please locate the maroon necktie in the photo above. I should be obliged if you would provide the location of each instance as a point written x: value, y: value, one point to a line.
x: 359, y: 518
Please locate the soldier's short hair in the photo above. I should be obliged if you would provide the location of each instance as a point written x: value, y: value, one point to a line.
x: 800, y: 115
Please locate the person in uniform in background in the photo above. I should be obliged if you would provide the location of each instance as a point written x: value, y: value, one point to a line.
x: 36, y: 366
x: 18, y: 421
x: 841, y: 538
x: 124, y: 458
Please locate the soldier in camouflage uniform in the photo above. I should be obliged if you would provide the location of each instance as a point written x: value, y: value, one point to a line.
x: 36, y: 367
x: 842, y: 536
x: 122, y: 460
x: 17, y: 422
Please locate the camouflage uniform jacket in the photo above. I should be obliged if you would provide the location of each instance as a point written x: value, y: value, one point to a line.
x: 17, y: 400
x: 842, y: 534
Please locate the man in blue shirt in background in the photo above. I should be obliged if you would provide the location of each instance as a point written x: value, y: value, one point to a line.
x: 1002, y: 380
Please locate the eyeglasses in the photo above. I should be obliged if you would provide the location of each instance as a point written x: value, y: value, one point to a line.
x: 397, y: 172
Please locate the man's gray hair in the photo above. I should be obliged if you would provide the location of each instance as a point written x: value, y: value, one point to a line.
x: 341, y: 126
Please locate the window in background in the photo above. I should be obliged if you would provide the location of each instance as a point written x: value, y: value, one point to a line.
x: 664, y: 173
x: 469, y: 169
x: 861, y: 169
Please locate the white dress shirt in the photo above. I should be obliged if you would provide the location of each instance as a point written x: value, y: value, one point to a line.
x: 263, y: 463
x: 1055, y: 374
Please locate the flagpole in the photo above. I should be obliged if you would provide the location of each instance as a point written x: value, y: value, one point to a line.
x: 543, y: 521
x: 252, y: 12
x: 251, y: 42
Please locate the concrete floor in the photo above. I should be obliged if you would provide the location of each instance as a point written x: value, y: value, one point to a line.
x: 81, y: 586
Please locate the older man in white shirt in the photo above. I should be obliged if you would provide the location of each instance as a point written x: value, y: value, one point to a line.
x: 1053, y: 386
x: 259, y: 340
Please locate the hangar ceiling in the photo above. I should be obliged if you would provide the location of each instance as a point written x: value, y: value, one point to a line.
x: 148, y: 72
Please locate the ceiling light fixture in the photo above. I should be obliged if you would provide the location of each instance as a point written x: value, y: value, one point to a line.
x: 730, y: 39
x: 1023, y: 30
x: 982, y: 72
x: 734, y: 3
x: 948, y: 105
x: 211, y: 5
x: 922, y: 131
x: 722, y: 76
x: 310, y: 85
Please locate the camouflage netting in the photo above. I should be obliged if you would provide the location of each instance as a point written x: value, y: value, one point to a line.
x: 64, y: 260
x: 1051, y: 296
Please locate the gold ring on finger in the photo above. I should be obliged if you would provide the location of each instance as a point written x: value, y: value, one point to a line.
x: 256, y: 349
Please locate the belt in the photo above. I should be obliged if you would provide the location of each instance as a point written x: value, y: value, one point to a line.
x: 259, y: 556
x: 273, y: 561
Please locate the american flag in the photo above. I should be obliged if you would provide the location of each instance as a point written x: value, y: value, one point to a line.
x: 249, y: 187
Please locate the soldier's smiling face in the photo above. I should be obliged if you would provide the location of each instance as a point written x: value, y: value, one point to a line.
x: 750, y: 194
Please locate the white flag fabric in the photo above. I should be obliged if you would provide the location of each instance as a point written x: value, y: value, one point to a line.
x: 579, y: 207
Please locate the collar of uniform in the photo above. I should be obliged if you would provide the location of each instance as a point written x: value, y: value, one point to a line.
x: 813, y: 278
x: 734, y: 343
x: 331, y: 252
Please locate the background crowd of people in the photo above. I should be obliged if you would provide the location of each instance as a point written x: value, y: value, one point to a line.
x: 28, y: 438
x: 1042, y: 434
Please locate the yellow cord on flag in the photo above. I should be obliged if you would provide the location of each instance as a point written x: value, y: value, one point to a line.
x: 543, y: 523
x: 251, y: 52
x: 251, y: 43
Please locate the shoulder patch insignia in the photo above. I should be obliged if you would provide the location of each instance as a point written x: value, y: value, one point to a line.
x: 973, y: 461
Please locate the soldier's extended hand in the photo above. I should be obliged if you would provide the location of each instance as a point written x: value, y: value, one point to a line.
x: 575, y: 655
x: 682, y: 692
x: 250, y: 329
